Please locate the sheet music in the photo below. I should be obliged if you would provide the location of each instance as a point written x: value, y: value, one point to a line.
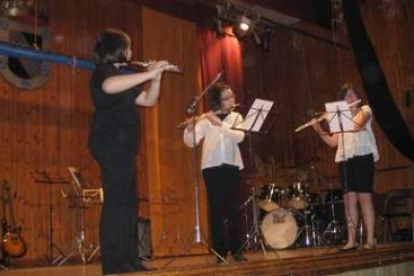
x: 256, y: 115
x: 336, y: 109
x: 77, y: 177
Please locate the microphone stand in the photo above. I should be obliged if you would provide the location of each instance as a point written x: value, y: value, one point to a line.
x: 197, y: 236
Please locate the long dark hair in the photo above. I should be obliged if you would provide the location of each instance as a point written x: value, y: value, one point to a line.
x: 110, y: 46
x: 214, y: 95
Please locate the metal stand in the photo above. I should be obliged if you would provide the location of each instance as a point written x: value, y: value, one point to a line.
x: 44, y: 178
x: 254, y: 239
x: 311, y: 235
x: 333, y: 229
x: 332, y: 226
x: 79, y: 247
x: 197, y: 237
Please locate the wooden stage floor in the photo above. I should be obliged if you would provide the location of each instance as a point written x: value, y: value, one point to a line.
x: 303, y: 261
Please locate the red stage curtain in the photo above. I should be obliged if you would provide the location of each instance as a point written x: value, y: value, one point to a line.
x: 222, y: 55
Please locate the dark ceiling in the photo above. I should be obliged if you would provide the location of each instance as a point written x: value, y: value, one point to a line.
x: 312, y: 11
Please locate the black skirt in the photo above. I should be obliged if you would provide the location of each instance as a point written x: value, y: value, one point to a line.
x: 357, y: 174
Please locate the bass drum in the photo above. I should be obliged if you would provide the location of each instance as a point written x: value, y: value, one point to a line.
x: 279, y: 228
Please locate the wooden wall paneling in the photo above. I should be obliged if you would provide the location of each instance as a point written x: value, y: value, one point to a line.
x: 169, y: 162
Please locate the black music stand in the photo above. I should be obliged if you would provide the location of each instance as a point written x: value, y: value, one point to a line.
x: 340, y: 121
x: 50, y: 180
x: 254, y: 124
x: 254, y: 121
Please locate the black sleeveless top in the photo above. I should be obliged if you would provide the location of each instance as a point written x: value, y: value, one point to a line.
x: 116, y: 120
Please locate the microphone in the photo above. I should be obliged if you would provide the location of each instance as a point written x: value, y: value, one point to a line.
x: 191, y: 105
x: 193, y: 102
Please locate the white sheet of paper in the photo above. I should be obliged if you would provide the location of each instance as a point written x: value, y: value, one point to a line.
x: 332, y: 109
x: 260, y: 109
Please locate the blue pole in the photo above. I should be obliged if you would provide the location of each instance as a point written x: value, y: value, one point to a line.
x: 17, y: 51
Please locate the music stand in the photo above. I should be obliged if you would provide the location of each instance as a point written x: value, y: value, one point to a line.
x: 44, y: 177
x: 254, y: 121
x: 79, y: 246
x: 253, y: 124
x: 340, y: 122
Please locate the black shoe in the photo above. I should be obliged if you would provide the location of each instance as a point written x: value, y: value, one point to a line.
x: 239, y: 257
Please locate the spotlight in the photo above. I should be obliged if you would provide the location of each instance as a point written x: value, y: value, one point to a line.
x: 244, y: 23
x: 242, y: 27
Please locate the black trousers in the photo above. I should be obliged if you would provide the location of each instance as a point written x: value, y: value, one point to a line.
x: 222, y: 189
x: 118, y: 225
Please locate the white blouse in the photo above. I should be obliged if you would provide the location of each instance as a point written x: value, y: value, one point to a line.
x: 220, y: 144
x: 357, y: 143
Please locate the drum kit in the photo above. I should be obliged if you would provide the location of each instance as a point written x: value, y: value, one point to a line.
x: 295, y: 217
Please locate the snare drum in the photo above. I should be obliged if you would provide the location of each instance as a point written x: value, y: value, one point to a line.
x: 270, y: 197
x: 279, y: 228
x: 298, y: 195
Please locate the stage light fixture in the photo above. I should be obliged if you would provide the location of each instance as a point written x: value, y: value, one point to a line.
x: 244, y: 23
x: 243, y: 26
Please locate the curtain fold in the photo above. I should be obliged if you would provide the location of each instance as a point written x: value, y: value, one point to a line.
x: 379, y: 96
x: 222, y: 55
